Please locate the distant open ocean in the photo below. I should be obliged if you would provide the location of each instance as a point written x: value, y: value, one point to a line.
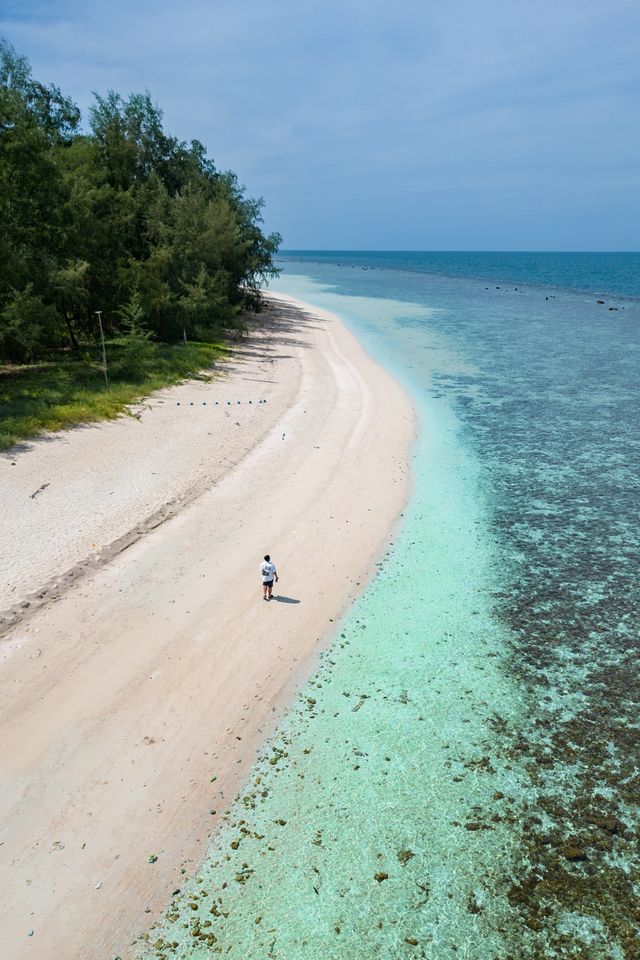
x: 459, y: 779
x: 614, y: 273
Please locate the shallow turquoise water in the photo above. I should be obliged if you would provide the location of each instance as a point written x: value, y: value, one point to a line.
x: 456, y: 780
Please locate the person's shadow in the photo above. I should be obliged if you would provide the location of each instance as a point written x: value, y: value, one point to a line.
x: 282, y: 599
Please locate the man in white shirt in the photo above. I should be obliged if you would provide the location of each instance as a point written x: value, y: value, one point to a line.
x: 268, y: 573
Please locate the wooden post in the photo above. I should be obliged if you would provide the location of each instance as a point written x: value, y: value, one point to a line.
x: 104, y: 351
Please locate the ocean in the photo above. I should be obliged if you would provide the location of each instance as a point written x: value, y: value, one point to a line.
x: 459, y: 777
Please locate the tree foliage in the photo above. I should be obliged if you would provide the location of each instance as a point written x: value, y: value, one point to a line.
x: 122, y: 215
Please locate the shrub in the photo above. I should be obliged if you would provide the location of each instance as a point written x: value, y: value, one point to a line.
x: 28, y: 326
x: 135, y: 348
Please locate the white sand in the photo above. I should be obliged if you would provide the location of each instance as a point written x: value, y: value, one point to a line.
x: 164, y: 667
x: 131, y: 468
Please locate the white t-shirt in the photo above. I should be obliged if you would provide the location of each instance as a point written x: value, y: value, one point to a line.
x: 267, y: 570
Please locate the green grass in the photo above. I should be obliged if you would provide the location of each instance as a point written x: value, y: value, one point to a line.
x: 66, y: 390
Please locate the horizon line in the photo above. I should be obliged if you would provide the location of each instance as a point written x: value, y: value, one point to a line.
x: 433, y: 250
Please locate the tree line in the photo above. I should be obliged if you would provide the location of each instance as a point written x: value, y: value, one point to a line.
x: 122, y: 218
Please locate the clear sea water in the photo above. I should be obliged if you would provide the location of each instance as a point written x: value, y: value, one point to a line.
x: 459, y: 778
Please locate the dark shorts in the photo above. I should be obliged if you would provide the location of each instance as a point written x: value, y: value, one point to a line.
x: 267, y: 583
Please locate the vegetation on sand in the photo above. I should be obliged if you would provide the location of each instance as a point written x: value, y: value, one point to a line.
x: 123, y: 219
x: 61, y: 392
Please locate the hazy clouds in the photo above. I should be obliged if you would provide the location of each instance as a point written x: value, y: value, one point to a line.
x: 495, y: 125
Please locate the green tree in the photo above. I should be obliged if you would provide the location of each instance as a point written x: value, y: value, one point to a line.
x: 135, y: 345
x: 89, y: 221
x: 28, y: 326
x: 203, y: 305
x: 35, y: 121
x: 69, y: 284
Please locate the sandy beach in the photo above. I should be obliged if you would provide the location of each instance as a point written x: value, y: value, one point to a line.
x: 138, y: 687
x: 58, y: 521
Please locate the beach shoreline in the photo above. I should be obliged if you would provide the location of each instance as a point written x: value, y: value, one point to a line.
x: 60, y: 523
x: 135, y: 702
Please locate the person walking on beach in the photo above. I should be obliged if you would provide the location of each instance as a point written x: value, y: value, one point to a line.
x: 268, y: 573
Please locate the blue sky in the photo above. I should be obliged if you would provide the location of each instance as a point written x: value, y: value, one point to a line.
x: 498, y: 125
